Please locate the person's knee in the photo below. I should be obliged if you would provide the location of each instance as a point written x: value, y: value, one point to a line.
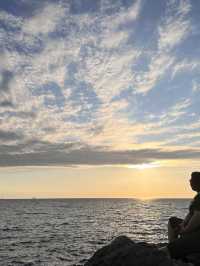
x: 172, y: 221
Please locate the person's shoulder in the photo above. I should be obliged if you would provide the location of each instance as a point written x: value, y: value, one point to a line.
x: 196, y: 202
x: 197, y: 197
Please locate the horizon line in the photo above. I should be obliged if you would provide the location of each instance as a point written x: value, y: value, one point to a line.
x: 57, y: 198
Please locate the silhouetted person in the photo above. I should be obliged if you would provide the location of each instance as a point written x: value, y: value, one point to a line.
x: 184, y: 235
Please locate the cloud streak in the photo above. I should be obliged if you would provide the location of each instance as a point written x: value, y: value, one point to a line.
x: 51, y: 154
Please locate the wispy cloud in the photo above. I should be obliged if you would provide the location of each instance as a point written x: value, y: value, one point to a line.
x: 76, y: 87
x: 174, y: 27
x: 180, y: 108
x: 186, y: 66
x: 45, y: 21
x: 48, y: 154
x: 196, y: 86
x: 146, y: 81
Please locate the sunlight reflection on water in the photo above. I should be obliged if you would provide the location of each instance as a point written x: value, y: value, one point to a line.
x: 65, y: 231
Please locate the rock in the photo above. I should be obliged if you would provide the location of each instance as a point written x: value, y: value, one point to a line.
x: 194, y: 259
x: 122, y: 251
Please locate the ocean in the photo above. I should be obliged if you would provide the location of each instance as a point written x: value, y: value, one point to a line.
x: 68, y: 231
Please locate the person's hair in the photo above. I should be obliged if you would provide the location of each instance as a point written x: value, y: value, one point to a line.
x: 196, y: 179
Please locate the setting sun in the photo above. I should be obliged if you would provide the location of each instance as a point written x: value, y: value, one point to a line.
x: 144, y: 166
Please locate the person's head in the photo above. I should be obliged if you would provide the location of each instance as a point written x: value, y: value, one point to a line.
x: 195, y: 181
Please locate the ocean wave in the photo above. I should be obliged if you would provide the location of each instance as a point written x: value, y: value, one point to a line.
x: 47, y: 235
x: 6, y: 229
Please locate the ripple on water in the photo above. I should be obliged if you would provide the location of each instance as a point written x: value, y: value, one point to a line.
x: 67, y: 232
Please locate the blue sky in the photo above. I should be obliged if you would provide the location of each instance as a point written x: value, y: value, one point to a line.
x: 86, y: 82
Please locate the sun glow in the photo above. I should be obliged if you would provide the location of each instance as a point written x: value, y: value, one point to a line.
x: 144, y: 166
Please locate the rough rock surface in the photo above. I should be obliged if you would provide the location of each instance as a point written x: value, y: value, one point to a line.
x: 124, y: 252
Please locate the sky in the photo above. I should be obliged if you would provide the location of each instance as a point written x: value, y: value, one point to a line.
x: 99, y: 98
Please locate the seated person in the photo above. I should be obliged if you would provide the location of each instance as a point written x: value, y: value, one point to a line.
x: 184, y: 235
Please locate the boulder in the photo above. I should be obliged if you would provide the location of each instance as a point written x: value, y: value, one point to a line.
x: 122, y: 251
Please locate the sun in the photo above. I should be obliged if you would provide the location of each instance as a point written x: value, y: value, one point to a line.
x: 144, y: 166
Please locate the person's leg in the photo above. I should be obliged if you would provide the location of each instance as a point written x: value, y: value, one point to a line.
x: 173, y: 224
x: 187, y: 244
x: 172, y: 235
x: 165, y: 250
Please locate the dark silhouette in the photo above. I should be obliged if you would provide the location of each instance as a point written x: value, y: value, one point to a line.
x: 184, y: 234
x: 184, y: 242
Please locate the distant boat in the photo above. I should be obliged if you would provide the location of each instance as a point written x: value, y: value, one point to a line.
x: 33, y: 198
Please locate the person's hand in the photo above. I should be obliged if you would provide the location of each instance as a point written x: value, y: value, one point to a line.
x: 177, y: 229
x: 181, y: 229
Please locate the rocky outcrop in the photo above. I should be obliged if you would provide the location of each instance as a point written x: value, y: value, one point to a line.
x: 124, y: 252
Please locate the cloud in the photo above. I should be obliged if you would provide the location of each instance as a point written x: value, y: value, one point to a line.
x: 195, y: 86
x: 45, y: 20
x: 105, y: 58
x: 109, y: 73
x: 71, y: 74
x: 50, y: 155
x: 173, y: 29
x: 124, y: 15
x: 11, y: 21
x: 78, y: 7
x: 114, y: 39
x: 176, y: 26
x: 146, y: 81
x: 185, y: 66
x: 5, y: 79
x: 180, y: 108
x: 9, y: 136
x: 6, y: 103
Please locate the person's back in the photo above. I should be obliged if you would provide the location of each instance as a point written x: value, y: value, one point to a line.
x: 184, y: 234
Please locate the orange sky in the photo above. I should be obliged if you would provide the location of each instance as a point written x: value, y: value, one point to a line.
x: 104, y: 181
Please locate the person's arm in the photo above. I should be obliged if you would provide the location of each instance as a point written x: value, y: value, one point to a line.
x: 193, y: 223
x: 187, y: 219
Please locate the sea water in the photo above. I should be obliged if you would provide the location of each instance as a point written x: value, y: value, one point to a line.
x: 68, y: 231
